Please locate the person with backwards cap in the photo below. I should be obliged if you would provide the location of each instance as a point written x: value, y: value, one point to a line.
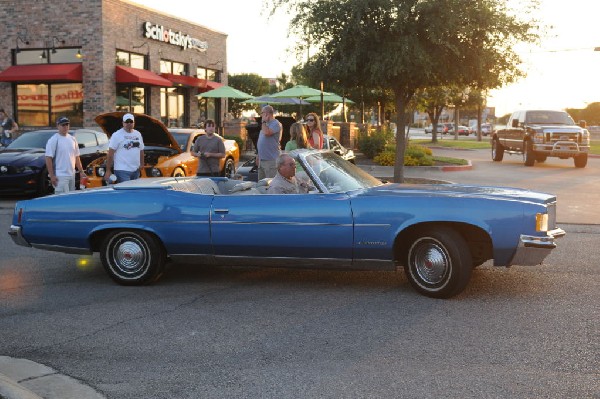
x: 125, y: 152
x: 62, y: 157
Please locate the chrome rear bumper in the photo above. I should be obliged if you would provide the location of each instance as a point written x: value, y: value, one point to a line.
x: 15, y: 233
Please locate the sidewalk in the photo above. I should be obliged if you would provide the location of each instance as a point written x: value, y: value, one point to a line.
x: 24, y: 379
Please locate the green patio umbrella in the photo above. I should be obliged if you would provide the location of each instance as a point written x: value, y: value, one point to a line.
x: 225, y: 92
x: 329, y: 98
x: 298, y: 91
x: 122, y: 101
x: 268, y: 99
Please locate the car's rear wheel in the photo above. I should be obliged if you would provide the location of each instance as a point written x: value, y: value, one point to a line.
x: 178, y: 172
x: 581, y: 160
x: 497, y: 150
x: 229, y: 168
x: 133, y: 257
x: 439, y: 263
x: 528, y: 153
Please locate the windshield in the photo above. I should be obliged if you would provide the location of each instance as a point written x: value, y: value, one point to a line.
x: 337, y: 174
x: 549, y: 117
x: 182, y: 139
x: 30, y: 140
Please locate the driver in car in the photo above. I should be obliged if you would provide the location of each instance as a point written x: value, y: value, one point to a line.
x: 285, y: 181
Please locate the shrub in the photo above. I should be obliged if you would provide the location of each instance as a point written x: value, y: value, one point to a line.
x: 373, y: 143
x: 415, y: 155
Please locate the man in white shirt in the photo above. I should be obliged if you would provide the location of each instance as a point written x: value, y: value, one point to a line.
x: 125, y: 152
x: 62, y: 156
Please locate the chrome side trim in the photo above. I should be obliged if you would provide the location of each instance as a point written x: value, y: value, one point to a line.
x: 16, y: 234
x: 285, y: 262
x: 60, y: 248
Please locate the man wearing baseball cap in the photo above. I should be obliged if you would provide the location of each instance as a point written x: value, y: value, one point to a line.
x: 125, y: 152
x: 62, y: 156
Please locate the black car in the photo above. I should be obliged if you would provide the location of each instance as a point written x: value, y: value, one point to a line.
x: 23, y: 162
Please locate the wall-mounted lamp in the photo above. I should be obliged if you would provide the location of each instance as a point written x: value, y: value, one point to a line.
x: 43, y: 55
x: 54, y: 40
x: 23, y: 40
x: 79, y: 55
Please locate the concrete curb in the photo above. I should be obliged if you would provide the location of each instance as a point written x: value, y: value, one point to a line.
x: 25, y: 379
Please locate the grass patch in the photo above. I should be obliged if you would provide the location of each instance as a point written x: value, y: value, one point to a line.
x: 450, y: 161
x: 451, y: 143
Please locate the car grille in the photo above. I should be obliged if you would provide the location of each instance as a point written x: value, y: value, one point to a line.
x: 553, y: 137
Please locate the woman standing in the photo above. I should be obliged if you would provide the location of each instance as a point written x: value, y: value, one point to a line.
x: 297, y: 138
x: 315, y: 134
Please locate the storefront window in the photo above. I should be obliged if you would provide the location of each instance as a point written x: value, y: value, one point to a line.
x: 207, y: 110
x: 132, y: 60
x: 42, y: 104
x: 208, y: 74
x: 172, y: 107
x: 49, y: 56
x: 131, y: 99
x: 176, y: 68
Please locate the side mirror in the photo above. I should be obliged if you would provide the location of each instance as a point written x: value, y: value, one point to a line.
x: 582, y: 124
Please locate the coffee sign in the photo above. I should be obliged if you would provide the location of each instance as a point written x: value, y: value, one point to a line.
x: 162, y: 34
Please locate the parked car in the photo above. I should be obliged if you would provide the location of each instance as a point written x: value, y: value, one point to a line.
x: 463, y: 130
x: 447, y: 128
x: 351, y: 220
x: 166, y: 152
x: 23, y: 162
x: 486, y: 129
x: 429, y: 129
x: 249, y: 170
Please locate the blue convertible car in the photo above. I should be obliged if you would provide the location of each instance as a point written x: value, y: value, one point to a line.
x: 438, y: 233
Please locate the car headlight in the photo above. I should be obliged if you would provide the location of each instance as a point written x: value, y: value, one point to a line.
x: 101, y: 171
x: 541, y: 222
x: 24, y: 169
x: 155, y: 172
x: 538, y: 137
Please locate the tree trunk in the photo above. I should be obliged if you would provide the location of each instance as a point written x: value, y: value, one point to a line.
x: 400, y: 138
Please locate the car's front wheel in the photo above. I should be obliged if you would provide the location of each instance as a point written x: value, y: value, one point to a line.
x: 178, y: 172
x: 133, y: 257
x: 45, y: 186
x: 439, y: 263
x: 229, y: 168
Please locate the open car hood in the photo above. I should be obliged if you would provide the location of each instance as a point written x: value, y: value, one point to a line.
x: 153, y: 131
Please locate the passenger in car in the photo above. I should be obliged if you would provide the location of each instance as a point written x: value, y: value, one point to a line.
x: 285, y: 181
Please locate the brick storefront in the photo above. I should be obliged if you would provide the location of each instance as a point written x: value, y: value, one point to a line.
x: 98, y: 29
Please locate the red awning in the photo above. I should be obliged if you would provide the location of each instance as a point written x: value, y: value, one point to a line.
x: 209, y: 85
x: 183, y: 80
x: 42, y: 73
x: 140, y: 76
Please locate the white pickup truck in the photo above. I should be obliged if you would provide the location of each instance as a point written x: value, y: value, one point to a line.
x: 538, y: 134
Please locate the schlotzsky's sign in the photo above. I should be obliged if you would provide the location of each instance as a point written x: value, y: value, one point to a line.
x: 162, y: 34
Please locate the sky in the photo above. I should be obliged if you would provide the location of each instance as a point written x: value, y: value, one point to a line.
x: 562, y: 72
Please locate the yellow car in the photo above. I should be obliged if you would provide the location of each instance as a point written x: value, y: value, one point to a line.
x: 166, y: 151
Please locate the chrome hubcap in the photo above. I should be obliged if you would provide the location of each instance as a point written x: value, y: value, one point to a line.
x: 431, y: 262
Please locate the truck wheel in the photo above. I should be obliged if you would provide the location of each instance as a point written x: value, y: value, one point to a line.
x: 580, y: 160
x: 528, y: 153
x: 497, y: 150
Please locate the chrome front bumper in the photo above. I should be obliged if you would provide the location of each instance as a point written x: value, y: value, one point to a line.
x: 532, y: 250
x: 15, y: 233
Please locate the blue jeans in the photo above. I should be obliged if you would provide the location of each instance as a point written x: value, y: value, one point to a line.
x: 125, y: 175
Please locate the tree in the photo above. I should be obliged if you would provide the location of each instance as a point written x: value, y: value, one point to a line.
x: 250, y: 83
x: 407, y: 45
